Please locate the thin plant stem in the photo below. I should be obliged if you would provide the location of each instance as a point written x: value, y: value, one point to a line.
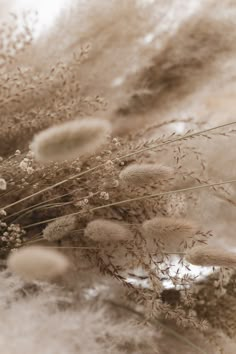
x: 186, y: 136
x: 42, y: 203
x: 190, y: 189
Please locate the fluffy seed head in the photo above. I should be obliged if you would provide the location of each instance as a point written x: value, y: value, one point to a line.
x: 145, y: 173
x: 170, y: 231
x: 3, y: 184
x: 211, y: 256
x: 59, y: 228
x: 106, y: 230
x: 70, y: 140
x: 37, y: 263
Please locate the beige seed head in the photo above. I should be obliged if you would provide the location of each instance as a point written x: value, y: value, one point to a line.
x: 145, y: 173
x: 60, y: 228
x: 37, y: 263
x: 106, y: 230
x: 170, y: 231
x: 211, y: 256
x: 3, y: 184
x: 70, y: 140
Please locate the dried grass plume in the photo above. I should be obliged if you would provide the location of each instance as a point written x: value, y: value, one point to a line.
x: 70, y: 140
x: 37, y: 263
x: 211, y: 256
x: 171, y: 232
x: 142, y: 174
x: 59, y: 228
x: 106, y: 230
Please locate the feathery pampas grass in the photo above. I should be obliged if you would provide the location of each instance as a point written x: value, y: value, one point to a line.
x: 70, y: 140
x: 37, y: 263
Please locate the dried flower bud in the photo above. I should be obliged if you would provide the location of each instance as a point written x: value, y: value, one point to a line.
x: 3, y: 212
x: 145, y: 173
x: 37, y: 263
x: 59, y: 228
x: 106, y: 230
x: 211, y: 256
x: 70, y: 140
x: 3, y: 184
x: 170, y: 231
x: 104, y: 195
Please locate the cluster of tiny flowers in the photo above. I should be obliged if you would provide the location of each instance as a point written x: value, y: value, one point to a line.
x: 26, y: 164
x: 104, y: 195
x: 82, y: 203
x: 11, y: 236
x: 116, y: 142
x: 109, y: 165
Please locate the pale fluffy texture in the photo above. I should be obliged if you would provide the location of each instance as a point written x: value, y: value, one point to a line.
x: 211, y: 256
x: 169, y: 66
x: 59, y: 228
x: 37, y: 263
x: 107, y: 230
x: 142, y: 174
x: 44, y: 321
x: 170, y: 232
x: 70, y: 140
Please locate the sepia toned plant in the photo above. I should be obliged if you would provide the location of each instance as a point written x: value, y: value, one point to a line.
x: 35, y: 263
x: 102, y: 220
x: 70, y: 140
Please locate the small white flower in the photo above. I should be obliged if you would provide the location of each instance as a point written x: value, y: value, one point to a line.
x: 3, y: 212
x: 3, y: 184
x: 24, y: 165
x: 30, y: 170
x: 109, y: 165
x: 104, y: 195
